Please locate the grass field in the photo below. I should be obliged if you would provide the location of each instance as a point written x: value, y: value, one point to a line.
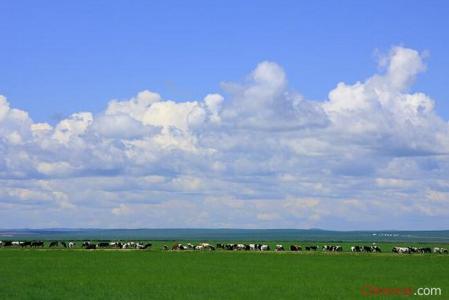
x: 154, y: 274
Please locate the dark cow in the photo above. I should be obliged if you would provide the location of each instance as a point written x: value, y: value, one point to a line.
x: 295, y: 248
x: 64, y: 244
x: 91, y: 246
x: 366, y: 248
x: 103, y: 245
x: 312, y: 248
x: 425, y: 250
x: 53, y: 244
x: 146, y: 246
x: 7, y: 244
x: 220, y: 246
x: 36, y: 244
x: 25, y: 244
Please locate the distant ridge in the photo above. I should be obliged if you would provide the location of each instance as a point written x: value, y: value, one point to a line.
x: 227, y: 234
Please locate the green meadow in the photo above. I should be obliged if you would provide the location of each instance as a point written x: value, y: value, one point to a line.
x: 155, y: 274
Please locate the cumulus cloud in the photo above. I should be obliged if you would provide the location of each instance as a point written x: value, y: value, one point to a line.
x: 259, y: 154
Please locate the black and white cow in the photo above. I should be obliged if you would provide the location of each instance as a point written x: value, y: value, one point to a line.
x: 279, y: 248
x: 264, y: 247
x: 36, y: 244
x: 53, y: 244
x: 295, y: 248
x: 399, y: 250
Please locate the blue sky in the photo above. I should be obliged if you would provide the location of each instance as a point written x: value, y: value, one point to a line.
x: 59, y: 57
x: 224, y: 114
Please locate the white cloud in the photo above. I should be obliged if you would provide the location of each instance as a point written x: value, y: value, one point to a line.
x: 262, y: 156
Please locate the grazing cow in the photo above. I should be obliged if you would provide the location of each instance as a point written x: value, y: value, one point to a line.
x: 279, y: 248
x: 7, y: 244
x: 16, y: 243
x: 332, y: 248
x: 115, y: 245
x: 240, y: 247
x: 440, y: 250
x: 264, y: 248
x: 295, y: 248
x: 425, y: 250
x: 53, y: 244
x: 86, y: 243
x: 72, y: 244
x: 25, y: 244
x: 312, y: 248
x: 90, y: 246
x: 1, y: 244
x: 164, y: 247
x: 356, y: 249
x: 375, y: 249
x: 400, y: 250
x: 103, y: 244
x: 147, y: 245
x: 36, y: 244
x: 220, y: 246
x: 366, y: 249
x: 178, y: 247
x: 64, y: 244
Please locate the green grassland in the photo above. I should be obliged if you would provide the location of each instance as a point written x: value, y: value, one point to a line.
x: 156, y: 274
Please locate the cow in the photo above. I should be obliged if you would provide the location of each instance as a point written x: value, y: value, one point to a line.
x: 86, y: 243
x: 220, y: 246
x: 264, y: 248
x: 178, y: 247
x: 312, y: 248
x: 7, y: 244
x: 279, y: 248
x: 356, y: 249
x: 164, y: 247
x: 366, y: 249
x: 240, y: 247
x: 400, y: 250
x: 425, y: 250
x: 16, y: 243
x: 25, y: 244
x: 147, y: 245
x: 72, y: 244
x: 440, y: 250
x: 53, y: 244
x: 64, y: 244
x: 90, y: 246
x: 103, y: 244
x: 295, y: 248
x: 36, y: 244
x: 375, y: 249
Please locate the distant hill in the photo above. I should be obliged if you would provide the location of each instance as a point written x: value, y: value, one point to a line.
x: 226, y: 235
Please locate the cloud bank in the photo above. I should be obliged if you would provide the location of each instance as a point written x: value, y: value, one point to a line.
x: 374, y: 155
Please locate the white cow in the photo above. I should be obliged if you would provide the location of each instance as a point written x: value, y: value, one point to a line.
x: 264, y: 248
x: 401, y: 250
x: 72, y: 244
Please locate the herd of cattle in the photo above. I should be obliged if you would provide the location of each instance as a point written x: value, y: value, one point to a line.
x: 86, y: 244
x: 205, y: 246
